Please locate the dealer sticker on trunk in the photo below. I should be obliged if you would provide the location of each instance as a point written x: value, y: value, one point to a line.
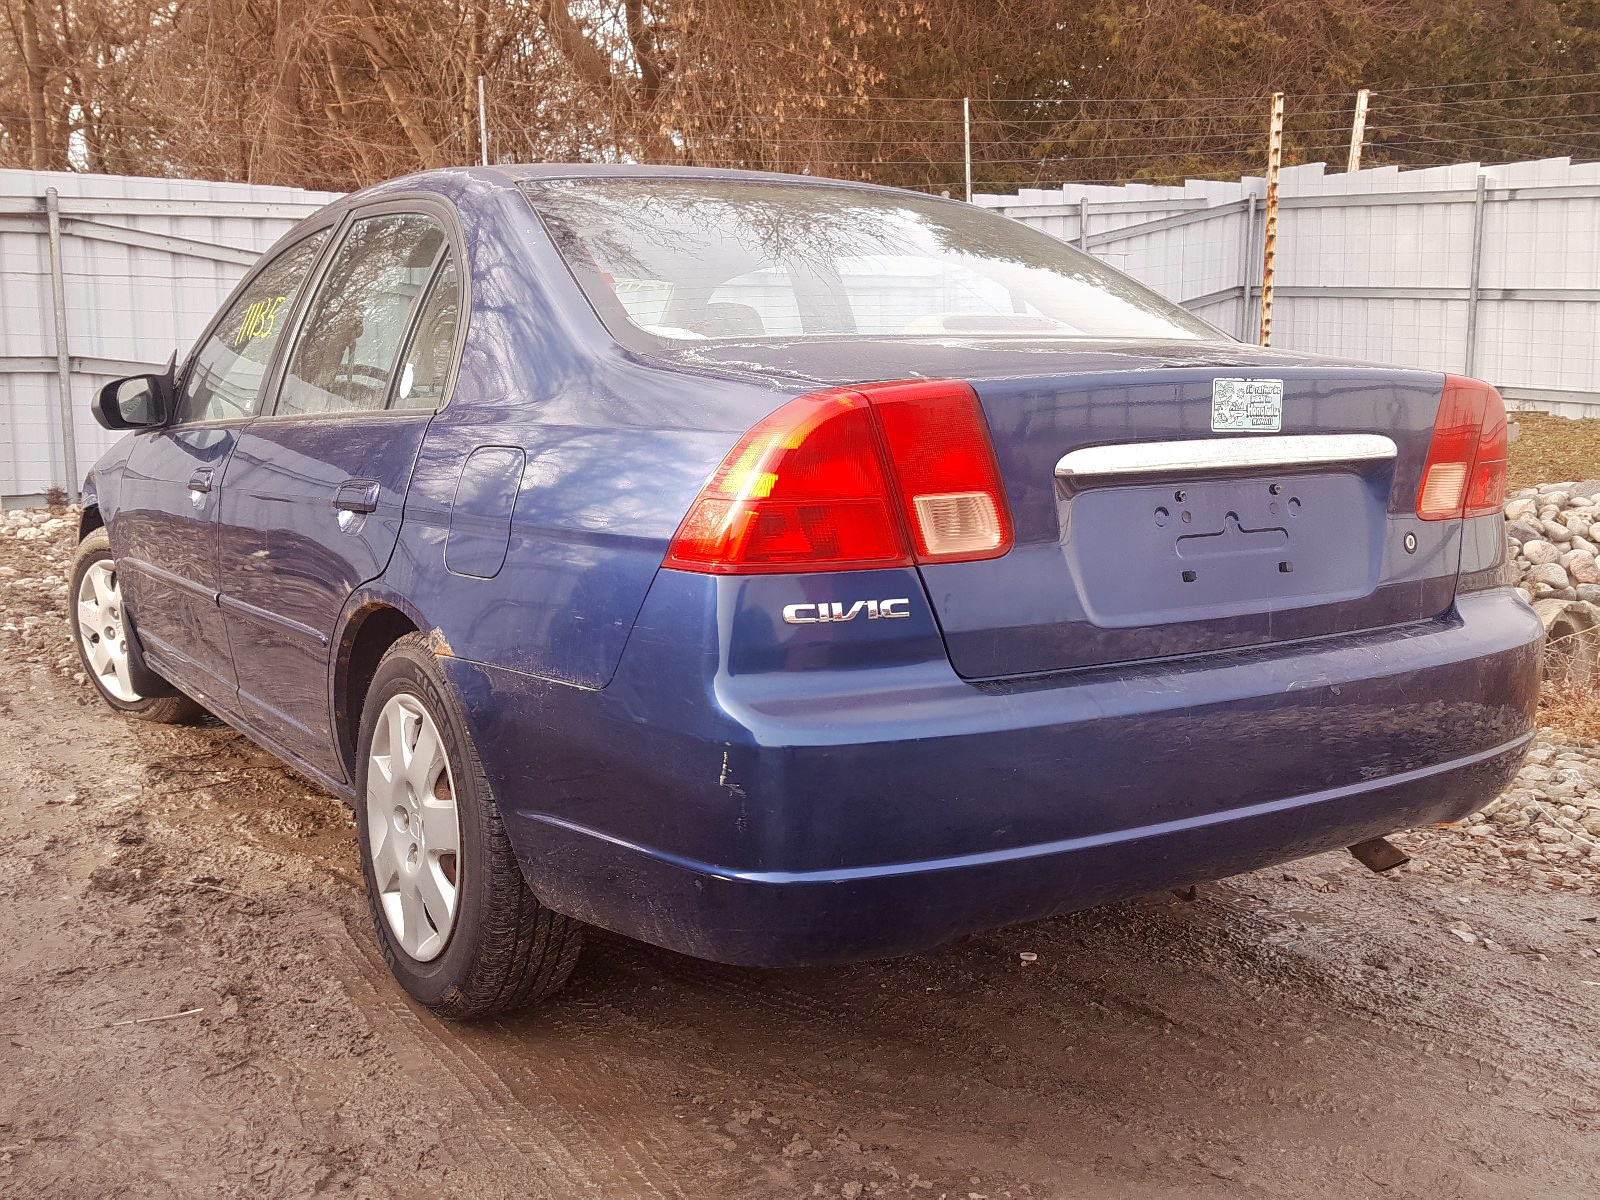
x: 1246, y: 405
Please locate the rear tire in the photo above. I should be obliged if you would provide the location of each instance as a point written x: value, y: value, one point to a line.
x: 457, y: 923
x: 100, y: 632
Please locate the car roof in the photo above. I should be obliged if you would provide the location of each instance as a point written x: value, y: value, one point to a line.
x: 458, y: 183
x: 531, y: 172
x: 516, y: 174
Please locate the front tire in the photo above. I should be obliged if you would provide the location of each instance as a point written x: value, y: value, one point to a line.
x: 457, y: 924
x: 100, y: 632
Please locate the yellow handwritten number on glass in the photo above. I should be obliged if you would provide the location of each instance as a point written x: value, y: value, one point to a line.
x: 260, y: 319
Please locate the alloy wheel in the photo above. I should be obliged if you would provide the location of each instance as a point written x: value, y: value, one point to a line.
x: 413, y: 827
x: 102, y: 632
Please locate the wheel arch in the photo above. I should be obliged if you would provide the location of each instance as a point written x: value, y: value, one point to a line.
x: 89, y: 519
x: 144, y: 679
x: 372, y: 624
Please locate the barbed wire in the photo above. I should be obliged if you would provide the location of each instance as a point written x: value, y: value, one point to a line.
x: 1254, y: 97
x: 1376, y: 117
x: 462, y: 110
x: 1378, y: 127
x: 1123, y: 137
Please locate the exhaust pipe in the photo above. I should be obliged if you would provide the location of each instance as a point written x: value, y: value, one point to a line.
x: 1379, y: 855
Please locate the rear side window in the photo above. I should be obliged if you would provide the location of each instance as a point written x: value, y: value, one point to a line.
x: 425, y: 369
x: 345, y: 357
x: 226, y: 375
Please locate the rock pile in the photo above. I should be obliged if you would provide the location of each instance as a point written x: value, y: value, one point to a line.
x: 31, y: 524
x: 1555, y: 540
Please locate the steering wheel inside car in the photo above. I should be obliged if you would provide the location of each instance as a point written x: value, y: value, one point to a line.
x: 362, y: 386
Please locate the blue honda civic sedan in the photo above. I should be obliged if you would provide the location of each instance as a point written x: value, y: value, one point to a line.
x: 786, y: 571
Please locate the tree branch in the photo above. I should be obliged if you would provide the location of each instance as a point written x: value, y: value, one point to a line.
x: 382, y: 56
x: 591, y: 65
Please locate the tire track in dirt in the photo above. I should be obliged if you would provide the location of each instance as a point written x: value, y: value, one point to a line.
x: 547, y: 1116
x: 600, y: 1104
x: 494, y: 1113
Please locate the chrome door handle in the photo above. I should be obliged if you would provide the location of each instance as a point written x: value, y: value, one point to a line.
x: 200, y: 487
x: 356, y: 496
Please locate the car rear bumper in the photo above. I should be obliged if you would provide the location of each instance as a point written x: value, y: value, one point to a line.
x: 775, y: 918
x: 882, y: 811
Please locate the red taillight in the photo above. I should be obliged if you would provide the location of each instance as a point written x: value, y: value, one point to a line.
x: 1486, y: 494
x: 847, y: 479
x: 1465, y: 474
x: 804, y: 490
x: 949, y: 483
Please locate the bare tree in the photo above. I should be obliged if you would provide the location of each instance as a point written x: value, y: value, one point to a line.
x: 339, y: 93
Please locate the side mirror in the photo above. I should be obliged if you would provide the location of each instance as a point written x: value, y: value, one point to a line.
x: 137, y: 402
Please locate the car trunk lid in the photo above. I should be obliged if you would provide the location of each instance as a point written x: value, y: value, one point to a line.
x: 1142, y: 532
x: 1133, y: 539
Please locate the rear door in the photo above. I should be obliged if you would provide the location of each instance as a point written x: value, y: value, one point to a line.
x: 164, y: 530
x: 314, y: 491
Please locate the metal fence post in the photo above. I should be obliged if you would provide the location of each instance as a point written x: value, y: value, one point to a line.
x: 483, y: 124
x: 1269, y: 243
x: 1247, y: 260
x: 966, y: 139
x: 1475, y: 274
x: 58, y: 293
x: 1083, y: 224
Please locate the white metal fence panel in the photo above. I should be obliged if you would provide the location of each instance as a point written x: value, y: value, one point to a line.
x: 1488, y: 270
x: 144, y: 263
x: 1492, y: 271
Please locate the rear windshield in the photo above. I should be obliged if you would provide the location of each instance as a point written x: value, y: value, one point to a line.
x: 673, y: 261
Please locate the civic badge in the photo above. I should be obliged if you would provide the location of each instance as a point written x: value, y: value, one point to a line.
x: 1246, y: 405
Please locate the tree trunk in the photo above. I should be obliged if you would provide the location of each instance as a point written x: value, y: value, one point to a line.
x: 471, y: 120
x: 34, y: 68
x: 343, y: 106
x: 281, y: 138
x: 381, y: 54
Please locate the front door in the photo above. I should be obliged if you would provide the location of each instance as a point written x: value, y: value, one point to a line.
x: 315, y: 489
x: 164, y: 528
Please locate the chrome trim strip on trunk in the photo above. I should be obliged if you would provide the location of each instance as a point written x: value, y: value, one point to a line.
x: 1224, y: 454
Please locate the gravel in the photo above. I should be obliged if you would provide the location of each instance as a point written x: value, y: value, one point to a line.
x: 1545, y: 827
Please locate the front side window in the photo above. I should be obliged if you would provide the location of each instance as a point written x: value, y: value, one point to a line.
x: 675, y: 261
x: 225, y: 378
x: 345, y: 357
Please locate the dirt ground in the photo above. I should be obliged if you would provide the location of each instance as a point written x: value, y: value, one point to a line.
x: 1313, y: 1030
x: 1550, y: 448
